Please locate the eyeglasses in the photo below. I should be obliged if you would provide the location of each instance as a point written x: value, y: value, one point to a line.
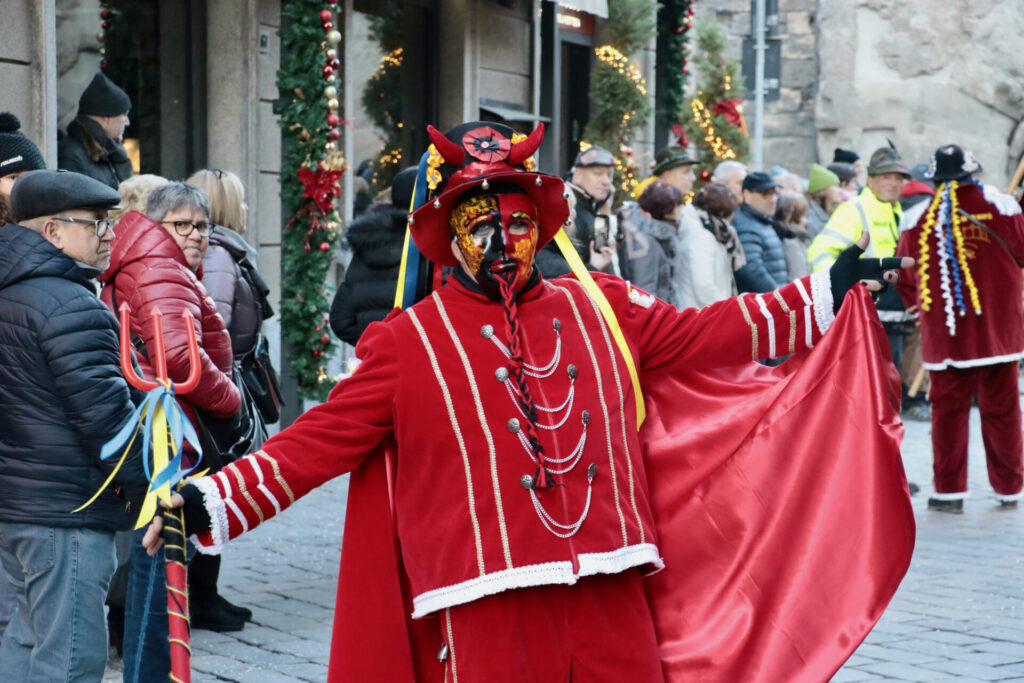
x: 101, y: 224
x: 185, y: 228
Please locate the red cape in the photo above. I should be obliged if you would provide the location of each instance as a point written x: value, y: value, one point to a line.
x: 782, y: 511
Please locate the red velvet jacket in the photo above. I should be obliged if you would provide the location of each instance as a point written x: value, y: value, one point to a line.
x: 995, y: 332
x: 435, y: 377
x: 148, y: 270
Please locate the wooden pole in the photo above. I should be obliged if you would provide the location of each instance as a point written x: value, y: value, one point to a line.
x: 1017, y: 176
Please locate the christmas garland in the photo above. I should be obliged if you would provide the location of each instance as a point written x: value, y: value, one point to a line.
x: 310, y: 171
x: 675, y: 19
x: 618, y: 91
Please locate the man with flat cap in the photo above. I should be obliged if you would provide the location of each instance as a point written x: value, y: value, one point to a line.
x: 93, y: 143
x: 62, y: 396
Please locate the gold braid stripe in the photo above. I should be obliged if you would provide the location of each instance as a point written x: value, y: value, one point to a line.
x: 923, y: 256
x: 277, y: 475
x: 792, y: 320
x: 753, y: 327
x: 451, y: 643
x: 245, y: 493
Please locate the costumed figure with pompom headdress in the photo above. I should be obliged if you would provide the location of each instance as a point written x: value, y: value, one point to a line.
x: 966, y: 288
x: 571, y: 479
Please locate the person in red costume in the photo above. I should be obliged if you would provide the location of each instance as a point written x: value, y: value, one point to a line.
x: 969, y: 246
x: 505, y: 509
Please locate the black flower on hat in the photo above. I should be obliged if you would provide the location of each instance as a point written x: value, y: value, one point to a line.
x: 486, y: 144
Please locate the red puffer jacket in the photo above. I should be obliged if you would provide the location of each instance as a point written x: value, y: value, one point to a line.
x: 148, y: 270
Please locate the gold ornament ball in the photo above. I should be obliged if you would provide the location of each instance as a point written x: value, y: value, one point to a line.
x: 333, y: 37
x: 332, y: 53
x: 330, y: 92
x: 330, y: 146
x: 331, y: 79
x: 333, y: 104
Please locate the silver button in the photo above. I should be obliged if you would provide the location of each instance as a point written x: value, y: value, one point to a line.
x: 557, y: 324
x: 501, y: 374
x: 572, y: 371
x: 586, y: 417
x: 526, y: 481
x: 487, y: 331
x: 513, y: 425
x: 592, y: 471
x: 442, y: 653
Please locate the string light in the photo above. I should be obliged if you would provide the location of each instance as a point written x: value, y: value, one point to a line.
x: 618, y: 61
x: 703, y: 118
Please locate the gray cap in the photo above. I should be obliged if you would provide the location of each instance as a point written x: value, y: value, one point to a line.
x: 594, y: 156
x: 48, y: 193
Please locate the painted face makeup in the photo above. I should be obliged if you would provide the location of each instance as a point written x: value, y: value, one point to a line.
x: 497, y: 236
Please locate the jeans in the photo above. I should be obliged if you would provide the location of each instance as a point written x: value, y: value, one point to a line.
x: 60, y: 576
x: 147, y: 654
x: 8, y: 601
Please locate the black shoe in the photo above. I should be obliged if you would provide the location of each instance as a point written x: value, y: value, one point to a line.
x: 917, y: 412
x: 1008, y: 505
x: 955, y: 507
x: 914, y: 488
x: 244, y: 613
x: 213, y: 617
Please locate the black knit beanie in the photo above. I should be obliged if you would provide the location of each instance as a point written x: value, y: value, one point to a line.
x: 103, y: 98
x: 17, y: 152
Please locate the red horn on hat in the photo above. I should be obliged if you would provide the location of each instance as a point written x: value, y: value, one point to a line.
x: 451, y: 152
x: 521, y: 150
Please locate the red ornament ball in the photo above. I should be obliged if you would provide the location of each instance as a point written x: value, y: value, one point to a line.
x: 331, y: 2
x: 686, y: 69
x: 705, y: 175
x: 328, y: 26
x: 328, y: 70
x: 335, y: 63
x: 325, y: 15
x: 316, y: 353
x: 334, y: 134
x: 333, y: 120
x: 324, y: 246
x: 104, y: 64
x: 319, y: 327
x: 325, y: 339
x: 105, y: 25
x: 104, y: 14
x: 679, y: 29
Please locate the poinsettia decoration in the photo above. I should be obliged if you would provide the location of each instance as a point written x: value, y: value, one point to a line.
x: 729, y: 109
x: 321, y: 186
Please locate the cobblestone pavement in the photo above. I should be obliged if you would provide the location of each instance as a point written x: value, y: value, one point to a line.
x: 956, y: 617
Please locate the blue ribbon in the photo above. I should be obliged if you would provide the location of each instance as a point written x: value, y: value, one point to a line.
x: 412, y: 254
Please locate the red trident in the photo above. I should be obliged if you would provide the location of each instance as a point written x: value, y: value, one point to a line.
x: 174, y: 523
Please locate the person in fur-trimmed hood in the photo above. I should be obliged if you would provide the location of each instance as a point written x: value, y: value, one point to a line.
x: 368, y: 293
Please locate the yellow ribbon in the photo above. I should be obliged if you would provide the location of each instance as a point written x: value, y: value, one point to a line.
x: 110, y: 479
x: 161, y: 446
x: 595, y: 293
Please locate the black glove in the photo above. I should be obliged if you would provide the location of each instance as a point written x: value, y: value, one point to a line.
x: 197, y: 519
x: 850, y: 268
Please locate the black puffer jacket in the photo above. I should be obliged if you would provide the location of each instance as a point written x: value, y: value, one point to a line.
x: 62, y: 394
x: 368, y: 292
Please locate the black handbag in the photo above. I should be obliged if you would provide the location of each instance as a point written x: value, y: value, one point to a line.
x: 224, y: 440
x: 261, y: 379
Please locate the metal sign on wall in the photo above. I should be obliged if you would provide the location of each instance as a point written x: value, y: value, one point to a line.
x: 772, y: 68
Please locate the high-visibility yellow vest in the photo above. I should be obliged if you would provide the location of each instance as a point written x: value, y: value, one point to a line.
x: 845, y: 225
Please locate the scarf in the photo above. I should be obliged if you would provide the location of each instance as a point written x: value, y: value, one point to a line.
x: 726, y: 235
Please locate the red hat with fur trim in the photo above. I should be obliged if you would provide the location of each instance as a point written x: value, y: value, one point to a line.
x: 475, y: 156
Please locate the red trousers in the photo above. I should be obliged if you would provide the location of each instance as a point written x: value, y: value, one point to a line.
x: 999, y: 403
x: 597, y: 631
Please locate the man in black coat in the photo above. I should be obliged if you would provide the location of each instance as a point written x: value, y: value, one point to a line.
x: 93, y: 146
x: 62, y: 396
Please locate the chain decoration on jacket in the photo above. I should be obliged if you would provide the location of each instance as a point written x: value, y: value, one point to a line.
x: 542, y: 478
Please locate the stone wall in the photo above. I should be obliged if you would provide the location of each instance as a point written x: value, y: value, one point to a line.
x: 921, y: 73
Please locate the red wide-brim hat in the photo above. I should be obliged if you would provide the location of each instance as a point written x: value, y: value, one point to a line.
x: 476, y: 156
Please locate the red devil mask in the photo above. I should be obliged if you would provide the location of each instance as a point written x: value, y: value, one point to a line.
x: 497, y: 236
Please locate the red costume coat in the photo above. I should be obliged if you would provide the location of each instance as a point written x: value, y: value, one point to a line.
x: 432, y: 376
x: 994, y: 333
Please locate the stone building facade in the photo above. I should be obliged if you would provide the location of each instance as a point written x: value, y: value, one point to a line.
x: 921, y: 73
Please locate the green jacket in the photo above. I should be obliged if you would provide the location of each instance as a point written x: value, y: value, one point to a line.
x: 845, y: 226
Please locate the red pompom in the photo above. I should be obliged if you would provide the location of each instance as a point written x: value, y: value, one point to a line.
x: 325, y: 15
x: 324, y: 246
x: 705, y: 175
x: 333, y: 120
x: 325, y: 339
x: 328, y: 70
